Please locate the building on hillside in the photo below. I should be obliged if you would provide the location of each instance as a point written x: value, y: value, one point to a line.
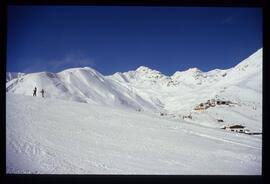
x: 236, y: 128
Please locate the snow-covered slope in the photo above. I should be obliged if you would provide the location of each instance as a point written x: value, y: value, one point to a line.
x: 139, y: 121
x: 79, y: 84
x: 181, y: 92
x: 13, y: 75
x: 51, y: 136
x: 150, y: 90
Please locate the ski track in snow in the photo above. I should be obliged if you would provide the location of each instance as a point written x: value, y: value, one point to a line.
x: 223, y: 140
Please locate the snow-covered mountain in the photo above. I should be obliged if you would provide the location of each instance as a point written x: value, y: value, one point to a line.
x: 136, y: 122
x: 150, y: 90
x: 79, y: 84
x: 142, y: 76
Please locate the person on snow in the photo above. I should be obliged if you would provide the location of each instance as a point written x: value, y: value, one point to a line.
x: 42, y: 92
x: 35, y: 92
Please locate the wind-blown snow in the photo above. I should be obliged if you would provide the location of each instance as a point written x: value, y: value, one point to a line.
x: 132, y: 122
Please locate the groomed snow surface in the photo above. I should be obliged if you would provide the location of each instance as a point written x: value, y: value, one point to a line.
x: 134, y: 122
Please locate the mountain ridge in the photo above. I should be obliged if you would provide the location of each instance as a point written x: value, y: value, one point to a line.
x: 143, y: 88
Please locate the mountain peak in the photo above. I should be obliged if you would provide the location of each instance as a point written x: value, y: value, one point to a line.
x: 189, y: 71
x: 80, y: 69
x: 143, y: 68
x: 253, y: 61
x: 194, y: 70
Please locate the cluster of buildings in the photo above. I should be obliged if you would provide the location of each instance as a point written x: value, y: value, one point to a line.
x: 236, y: 128
x: 211, y: 103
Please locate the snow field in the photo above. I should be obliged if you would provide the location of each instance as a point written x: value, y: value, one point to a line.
x: 51, y: 136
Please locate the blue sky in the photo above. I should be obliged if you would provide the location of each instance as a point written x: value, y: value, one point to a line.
x: 117, y: 39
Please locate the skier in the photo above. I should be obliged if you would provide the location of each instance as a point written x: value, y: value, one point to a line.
x: 42, y: 92
x: 35, y: 92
